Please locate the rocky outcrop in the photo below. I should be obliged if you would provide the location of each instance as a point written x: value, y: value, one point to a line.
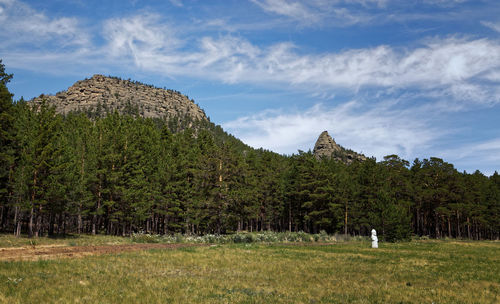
x: 326, y: 147
x: 100, y: 95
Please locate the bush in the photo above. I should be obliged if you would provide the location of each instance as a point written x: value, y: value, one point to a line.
x: 145, y: 238
x: 242, y: 237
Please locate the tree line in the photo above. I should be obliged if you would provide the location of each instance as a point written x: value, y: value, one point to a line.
x: 120, y: 174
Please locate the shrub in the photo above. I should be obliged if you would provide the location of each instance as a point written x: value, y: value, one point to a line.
x: 243, y: 237
x: 145, y: 238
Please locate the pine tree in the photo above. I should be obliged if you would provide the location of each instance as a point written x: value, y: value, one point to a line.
x: 7, y: 148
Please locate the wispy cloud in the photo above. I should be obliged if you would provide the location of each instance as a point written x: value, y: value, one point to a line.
x: 489, y: 149
x: 444, y: 2
x: 293, y: 9
x: 177, y: 3
x: 23, y: 25
x: 317, y: 11
x: 492, y: 25
x: 483, y: 155
x: 452, y: 66
x: 140, y: 36
x: 462, y: 69
x: 344, y: 13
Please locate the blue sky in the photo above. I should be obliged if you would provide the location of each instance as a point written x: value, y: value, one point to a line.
x: 413, y: 78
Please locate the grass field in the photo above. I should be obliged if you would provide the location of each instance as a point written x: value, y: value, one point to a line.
x: 8, y: 241
x: 345, y: 272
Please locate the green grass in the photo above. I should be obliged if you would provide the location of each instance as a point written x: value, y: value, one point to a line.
x: 347, y: 272
x: 8, y: 240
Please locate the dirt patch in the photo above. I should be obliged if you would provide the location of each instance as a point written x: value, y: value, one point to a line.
x: 51, y: 252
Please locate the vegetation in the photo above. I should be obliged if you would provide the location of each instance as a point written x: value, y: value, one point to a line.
x: 123, y: 174
x: 255, y: 237
x: 9, y: 240
x: 351, y: 272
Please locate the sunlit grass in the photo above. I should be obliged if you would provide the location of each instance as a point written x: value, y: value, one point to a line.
x: 350, y: 272
x: 8, y: 240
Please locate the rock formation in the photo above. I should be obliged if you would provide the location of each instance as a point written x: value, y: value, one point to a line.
x: 326, y: 147
x: 100, y: 95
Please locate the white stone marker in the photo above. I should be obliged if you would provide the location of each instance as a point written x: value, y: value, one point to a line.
x: 374, y: 239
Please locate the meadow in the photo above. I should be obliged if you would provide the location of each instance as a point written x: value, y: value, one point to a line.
x: 420, y: 271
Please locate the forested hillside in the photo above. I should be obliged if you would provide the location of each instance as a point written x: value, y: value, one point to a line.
x: 124, y: 173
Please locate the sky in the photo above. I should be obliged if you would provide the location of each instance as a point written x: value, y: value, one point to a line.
x: 416, y: 78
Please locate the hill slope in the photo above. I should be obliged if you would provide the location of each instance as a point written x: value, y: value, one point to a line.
x: 100, y: 95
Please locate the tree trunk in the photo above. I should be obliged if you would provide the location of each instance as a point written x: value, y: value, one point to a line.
x: 345, y: 220
x: 38, y: 228
x: 2, y: 219
x: 417, y: 222
x: 79, y: 219
x: 30, y: 224
x: 165, y: 224
x: 468, y: 227
x: 424, y: 225
x: 289, y: 217
x: 51, y: 223
x: 449, y: 227
x: 436, y: 225
x: 64, y: 223
x: 16, y: 214
x: 59, y: 223
x: 18, y: 230
x: 82, y: 179
x: 94, y: 217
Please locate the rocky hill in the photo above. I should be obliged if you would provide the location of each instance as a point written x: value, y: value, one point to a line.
x: 327, y: 147
x: 100, y: 95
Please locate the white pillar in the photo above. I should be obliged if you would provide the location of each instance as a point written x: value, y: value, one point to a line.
x: 374, y: 239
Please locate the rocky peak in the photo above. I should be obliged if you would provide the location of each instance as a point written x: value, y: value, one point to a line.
x: 101, y: 95
x: 327, y: 147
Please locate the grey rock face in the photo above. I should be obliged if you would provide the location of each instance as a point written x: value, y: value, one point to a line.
x: 326, y: 147
x: 110, y: 94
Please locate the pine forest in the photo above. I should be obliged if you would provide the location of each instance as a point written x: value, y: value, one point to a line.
x: 118, y: 174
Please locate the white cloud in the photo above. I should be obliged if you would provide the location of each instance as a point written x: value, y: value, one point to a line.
x: 23, y: 25
x: 451, y: 65
x: 177, y: 3
x: 489, y: 149
x: 492, y: 25
x: 484, y: 155
x: 293, y: 9
x: 315, y: 12
x: 462, y: 70
x: 444, y: 2
x: 343, y: 13
x: 140, y: 36
x: 377, y: 131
